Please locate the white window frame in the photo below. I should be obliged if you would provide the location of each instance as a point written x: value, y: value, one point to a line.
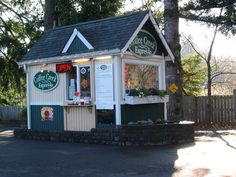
x: 78, y: 66
x: 144, y: 62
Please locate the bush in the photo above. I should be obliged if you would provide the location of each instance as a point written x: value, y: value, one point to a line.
x: 23, y: 115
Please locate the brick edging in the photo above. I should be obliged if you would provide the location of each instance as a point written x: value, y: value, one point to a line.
x: 126, y: 135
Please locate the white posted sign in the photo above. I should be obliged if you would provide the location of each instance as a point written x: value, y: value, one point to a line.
x: 104, y: 86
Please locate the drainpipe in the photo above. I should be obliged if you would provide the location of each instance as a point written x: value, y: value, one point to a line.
x: 26, y: 68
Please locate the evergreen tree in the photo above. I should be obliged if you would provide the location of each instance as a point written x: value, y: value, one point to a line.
x: 19, y: 29
x: 194, y: 76
x: 205, y: 11
x: 71, y: 12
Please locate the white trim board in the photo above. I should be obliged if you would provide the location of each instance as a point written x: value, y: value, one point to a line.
x: 71, y: 57
x: 161, y: 37
x: 71, y: 39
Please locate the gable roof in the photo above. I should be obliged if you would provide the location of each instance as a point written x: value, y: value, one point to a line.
x: 109, y: 34
x: 73, y: 37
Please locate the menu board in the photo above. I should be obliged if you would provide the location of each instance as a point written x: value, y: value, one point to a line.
x: 104, y: 86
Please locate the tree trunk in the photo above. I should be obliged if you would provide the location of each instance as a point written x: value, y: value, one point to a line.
x: 49, y: 8
x: 173, y: 70
x: 209, y: 94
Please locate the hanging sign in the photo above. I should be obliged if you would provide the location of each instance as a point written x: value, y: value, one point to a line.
x: 46, y: 80
x: 104, y: 86
x: 144, y: 44
x: 64, y: 67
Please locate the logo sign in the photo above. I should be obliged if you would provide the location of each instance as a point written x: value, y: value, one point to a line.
x: 46, y: 114
x: 64, y: 67
x: 46, y: 80
x: 144, y: 44
x: 103, y: 67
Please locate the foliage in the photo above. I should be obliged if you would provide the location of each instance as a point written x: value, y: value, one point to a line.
x: 71, y: 12
x: 205, y: 11
x: 19, y: 29
x: 193, y: 75
x: 146, y: 92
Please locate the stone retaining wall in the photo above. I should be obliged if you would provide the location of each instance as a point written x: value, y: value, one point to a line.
x: 126, y: 135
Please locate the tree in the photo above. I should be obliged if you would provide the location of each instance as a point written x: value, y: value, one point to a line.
x: 174, y: 70
x: 205, y: 11
x: 211, y: 73
x: 202, y: 11
x: 18, y: 31
x: 193, y: 75
x: 223, y: 76
x: 71, y: 12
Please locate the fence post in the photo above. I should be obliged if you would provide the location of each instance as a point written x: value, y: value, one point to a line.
x: 196, y: 110
x: 234, y: 105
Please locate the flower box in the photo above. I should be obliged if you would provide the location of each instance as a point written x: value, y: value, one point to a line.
x: 132, y: 100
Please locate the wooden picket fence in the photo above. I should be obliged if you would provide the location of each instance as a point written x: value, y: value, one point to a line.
x: 194, y: 108
x: 9, y: 113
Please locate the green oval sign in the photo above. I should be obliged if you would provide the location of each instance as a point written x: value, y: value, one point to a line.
x: 103, y: 67
x: 46, y: 80
x: 144, y: 44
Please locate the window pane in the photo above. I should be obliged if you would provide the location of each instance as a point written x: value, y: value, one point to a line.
x: 85, y: 87
x: 141, y: 76
x: 72, y: 83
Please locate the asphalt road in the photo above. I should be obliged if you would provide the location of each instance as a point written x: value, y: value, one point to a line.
x: 212, y: 155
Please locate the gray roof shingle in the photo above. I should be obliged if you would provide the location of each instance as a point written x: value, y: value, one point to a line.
x: 105, y: 34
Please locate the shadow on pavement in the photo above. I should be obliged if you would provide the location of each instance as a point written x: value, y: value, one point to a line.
x: 220, y: 135
x: 39, y: 158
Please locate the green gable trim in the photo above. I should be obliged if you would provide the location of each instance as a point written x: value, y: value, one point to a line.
x: 77, y: 46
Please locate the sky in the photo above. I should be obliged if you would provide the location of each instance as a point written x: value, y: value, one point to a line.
x: 224, y: 48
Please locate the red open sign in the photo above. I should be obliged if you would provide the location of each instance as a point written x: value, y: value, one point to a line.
x: 64, y: 67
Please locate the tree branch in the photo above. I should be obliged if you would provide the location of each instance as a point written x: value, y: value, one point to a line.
x: 213, y: 40
x: 5, y: 55
x: 209, y: 5
x: 12, y: 10
x: 8, y: 28
x: 221, y: 73
x: 194, y: 48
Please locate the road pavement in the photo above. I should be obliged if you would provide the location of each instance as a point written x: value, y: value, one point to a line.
x: 213, y: 154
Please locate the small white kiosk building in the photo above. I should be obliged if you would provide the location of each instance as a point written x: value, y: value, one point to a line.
x: 100, y: 73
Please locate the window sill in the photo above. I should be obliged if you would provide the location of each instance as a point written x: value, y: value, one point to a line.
x: 76, y: 105
x: 132, y: 100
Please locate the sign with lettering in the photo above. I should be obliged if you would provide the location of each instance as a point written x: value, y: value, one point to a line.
x: 46, y: 80
x: 104, y: 86
x: 64, y: 67
x: 144, y: 44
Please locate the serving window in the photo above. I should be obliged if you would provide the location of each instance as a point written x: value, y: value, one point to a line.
x: 79, y: 80
x: 141, y: 76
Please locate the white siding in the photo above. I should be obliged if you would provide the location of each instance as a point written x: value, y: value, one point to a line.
x: 53, y: 97
x: 78, y: 118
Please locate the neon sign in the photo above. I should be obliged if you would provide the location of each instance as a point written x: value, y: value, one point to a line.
x: 64, y: 67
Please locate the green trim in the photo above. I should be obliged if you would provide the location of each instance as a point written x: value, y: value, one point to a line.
x: 134, y: 113
x: 55, y: 123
